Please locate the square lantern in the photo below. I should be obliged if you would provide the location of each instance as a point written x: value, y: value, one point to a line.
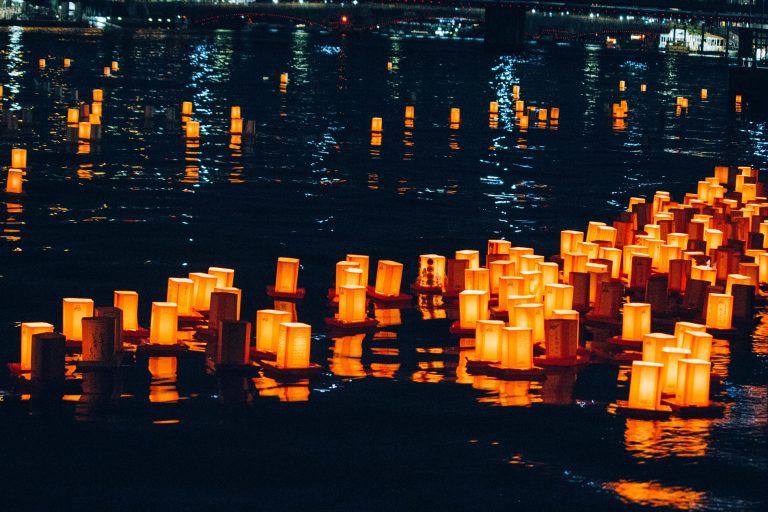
x: 128, y: 303
x: 268, y: 328
x: 608, y: 234
x: 499, y: 246
x: 562, y: 338
x: 203, y: 288
x: 498, y: 269
x: 670, y: 356
x: 74, y: 310
x: 192, y: 130
x: 234, y: 340
x: 389, y: 275
x: 286, y: 275
x: 181, y: 291
x: 557, y: 296
x: 473, y: 257
x: 532, y: 283
x: 736, y: 279
x: 654, y: 343
x: 636, y: 321
x: 530, y: 262
x: 363, y: 262
x: 692, y: 383
x: 19, y: 158
x: 516, y: 253
x: 186, y: 108
x: 14, y: 185
x: 614, y: 256
x: 700, y: 345
x: 682, y: 327
x: 529, y: 315
x: 164, y: 323
x: 645, y: 385
x: 294, y: 345
x: 488, y: 337
x: 550, y: 272
x: 592, y: 230
x: 719, y: 311
x: 574, y: 262
x: 509, y: 286
x: 225, y: 277
x: 477, y: 279
x: 352, y: 306
x: 569, y: 240
x: 341, y: 277
x: 223, y: 307
x: 97, y: 95
x: 473, y: 306
x: 237, y: 292
x: 517, y: 348
x: 431, y: 271
x: 29, y: 329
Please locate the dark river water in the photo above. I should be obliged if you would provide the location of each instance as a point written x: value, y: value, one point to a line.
x: 396, y: 422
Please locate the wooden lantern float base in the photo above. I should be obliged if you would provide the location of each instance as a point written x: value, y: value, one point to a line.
x: 262, y: 355
x: 578, y: 360
x: 248, y: 369
x: 403, y: 297
x: 621, y: 343
x: 298, y: 295
x: 139, y: 333
x: 457, y: 330
x: 367, y: 325
x: 712, y: 410
x: 426, y: 290
x: 290, y: 374
x: 110, y: 364
x: 533, y: 373
x: 481, y: 367
x: 663, y: 413
x: 195, y: 318
x: 157, y: 350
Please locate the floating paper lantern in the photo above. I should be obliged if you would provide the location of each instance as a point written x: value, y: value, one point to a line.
x: 67, y: 62
x: 193, y: 130
x: 622, y: 85
x: 236, y: 126
x: 645, y: 385
x: 681, y: 328
x: 643, y: 88
x: 14, y: 184
x: 237, y: 292
x: 29, y: 329
x: 48, y: 354
x: 294, y: 345
x: 233, y: 343
x: 542, y: 114
x: 517, y: 348
x: 519, y: 106
x: 574, y: 262
x: 699, y: 344
x: 376, y: 123
x: 352, y: 304
x: 732, y: 280
x: 473, y: 306
x: 678, y: 239
x: 477, y: 279
x: 704, y: 94
x: 97, y: 95
x: 515, y: 90
x: 84, y: 130
x: 636, y: 321
x: 670, y: 356
x: 287, y: 275
x: 431, y: 271
x: 41, y: 63
x: 225, y: 277
x: 363, y: 262
x: 473, y: 257
x: 115, y: 66
x: 99, y: 339
x: 509, y: 286
x: 19, y: 158
x: 532, y: 283
x: 762, y: 261
x: 713, y: 239
x: 186, y: 108
x: 74, y: 310
x: 719, y: 311
x: 409, y: 112
x: 203, y: 287
x: 488, y: 338
x: 529, y: 315
x: 455, y: 115
x: 181, y: 291
x: 692, y: 383
x: 569, y: 240
x: 562, y: 338
x: 653, y: 343
x: 529, y: 262
x: 268, y: 328
x: 493, y: 107
x: 497, y: 269
x: 283, y: 79
x: 163, y: 324
x: 234, y: 112
x: 592, y: 230
x: 128, y: 303
x: 341, y: 277
x: 107, y: 71
x: 499, y: 246
x: 557, y: 296
x: 389, y: 275
x: 523, y: 122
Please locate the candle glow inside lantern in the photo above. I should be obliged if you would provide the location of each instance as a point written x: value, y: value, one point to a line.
x: 645, y: 385
x: 497, y: 270
x: 193, y: 130
x: 225, y: 277
x: 477, y: 279
x: 509, y: 286
x: 84, y: 130
x: 557, y: 296
x: 287, y: 275
x: 186, y: 108
x: 719, y: 311
x: 128, y: 303
x: 682, y: 327
x: 473, y: 257
x: 431, y: 271
x: 376, y: 124
x: 163, y: 323
x: 29, y: 329
x: 352, y: 304
x: 14, y: 184
x: 203, y: 288
x: 67, y: 62
x: 73, y: 115
x: 74, y: 310
x: 268, y: 328
x: 455, y: 115
x: 692, y: 383
x: 363, y: 262
x: 574, y: 262
x: 735, y: 279
x: 409, y: 112
x: 653, y: 343
x: 636, y: 321
x: 670, y: 356
x: 41, y: 63
x: 19, y: 158
x: 517, y: 348
x: 529, y: 315
x: 389, y: 275
x: 97, y: 95
x: 283, y: 79
x: 294, y: 345
x: 182, y: 292
x: 488, y: 338
x: 473, y: 306
x: 699, y: 344
x: 236, y: 126
x: 342, y: 277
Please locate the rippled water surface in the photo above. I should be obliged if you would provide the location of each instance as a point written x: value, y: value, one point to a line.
x: 395, y: 422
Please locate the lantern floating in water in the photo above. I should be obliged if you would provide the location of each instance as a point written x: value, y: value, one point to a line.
x: 389, y: 66
x: 99, y: 340
x: 376, y: 124
x: 97, y: 95
x: 186, y: 108
x: 529, y: 315
x: 681, y: 328
x: 645, y: 385
x: 233, y: 344
x: 523, y: 122
x: 473, y: 306
x: 488, y: 338
x: 473, y: 257
x: 115, y: 66
x: 181, y: 291
x: 41, y: 63
x: 409, y: 112
x: 389, y: 275
x: 29, y: 329
x: 653, y: 343
x: 14, y: 183
x: 692, y: 388
x: 67, y: 62
x: 128, y: 303
x: 431, y: 273
x: 455, y: 116
x: 636, y: 321
x: 107, y: 71
x: 163, y: 323
x: 286, y: 279
x: 236, y: 126
x: 477, y: 279
x: 283, y: 79
x: 516, y: 348
x: 48, y: 354
x: 493, y: 107
x: 268, y: 329
x: 352, y: 307
x: 74, y: 310
x: 294, y: 345
x: 719, y: 311
x: 19, y: 158
x: 234, y: 112
x: 703, y: 94
x: 73, y: 115
x: 193, y: 130
x: 203, y: 287
x: 670, y: 356
x: 84, y: 130
x: 363, y: 262
x: 225, y: 277
x: 643, y: 88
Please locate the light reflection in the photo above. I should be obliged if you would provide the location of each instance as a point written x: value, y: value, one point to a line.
x: 657, y: 495
x: 163, y: 386
x: 677, y: 437
x: 296, y: 391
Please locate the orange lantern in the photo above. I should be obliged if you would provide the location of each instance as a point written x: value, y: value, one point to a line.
x: 389, y: 275
x: 225, y: 277
x: 732, y: 280
x: 409, y: 112
x: 517, y: 348
x: 693, y: 383
x: 283, y: 79
x: 455, y: 115
x: 352, y: 304
x: 287, y: 275
x: 193, y: 130
x: 488, y: 338
x: 19, y: 158
x: 73, y: 115
x: 268, y: 329
x: 203, y: 287
x: 431, y: 271
x: 237, y: 292
x: 128, y: 303
x: 477, y: 279
x: 41, y: 63
x: 700, y: 345
x: 719, y: 311
x: 473, y: 306
x: 97, y: 95
x: 236, y: 126
x: 182, y: 292
x: 342, y: 277
x: 163, y: 324
x: 670, y: 356
x: 636, y: 321
x: 645, y: 385
x: 74, y: 310
x: 376, y: 124
x: 682, y: 327
x: 653, y: 343
x: 107, y: 71
x: 557, y: 296
x: 234, y: 112
x: 294, y: 345
x: 473, y: 257
x: 363, y: 262
x: 29, y: 329
x: 509, y: 286
x: 115, y: 65
x: 529, y: 315
x: 67, y: 62
x: 186, y: 108
x: 569, y: 240
x: 15, y: 181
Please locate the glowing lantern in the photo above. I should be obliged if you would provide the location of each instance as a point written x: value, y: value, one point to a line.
x: 268, y: 329
x: 94, y: 119
x: 529, y: 315
x: 477, y: 279
x: 529, y: 262
x: 719, y: 311
x: 762, y: 261
x: 455, y: 116
x: 431, y: 271
x: 517, y: 348
x: 225, y: 277
x: 735, y: 279
x: 223, y: 307
x: 614, y: 256
x: 515, y: 90
x: 203, y: 287
x: 509, y: 286
x: 592, y: 230
x: 74, y: 310
x: 19, y: 158
x: 681, y: 328
x: 488, y: 337
x: 73, y: 115
x: 67, y: 62
x: 622, y: 85
x: 574, y: 262
x: 283, y: 78
x: 473, y: 306
x: 84, y: 130
x: 532, y: 283
x: 554, y: 114
x: 703, y: 94
x: 542, y: 114
x: 713, y: 239
x: 557, y: 296
x: 342, y: 277
x: 15, y: 182
x: 499, y: 246
x: 519, y: 106
x: 115, y: 65
x: 472, y: 256
x: 128, y: 303
x: 107, y: 71
x: 409, y: 112
x: 636, y: 321
x: 181, y: 291
x: 99, y: 339
x: 498, y: 269
x: 234, y: 112
x: 186, y: 108
x: 163, y: 323
x: 97, y: 96
x: 704, y: 273
x: 294, y: 345
x: 237, y: 292
x: 653, y: 343
x: 29, y: 329
x: 692, y: 383
x: 363, y: 263
x: 41, y: 63
x: 236, y: 126
x: 523, y: 122
x: 607, y: 233
x: 389, y: 275
x: 287, y: 275
x: 352, y: 304
x: 667, y: 253
x: 670, y: 357
x: 550, y: 272
x: 569, y: 240
x: 645, y: 385
x: 376, y: 124
x: 678, y: 239
x: 493, y: 108
x: 193, y: 130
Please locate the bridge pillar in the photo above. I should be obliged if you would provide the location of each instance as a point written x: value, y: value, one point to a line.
x: 504, y: 28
